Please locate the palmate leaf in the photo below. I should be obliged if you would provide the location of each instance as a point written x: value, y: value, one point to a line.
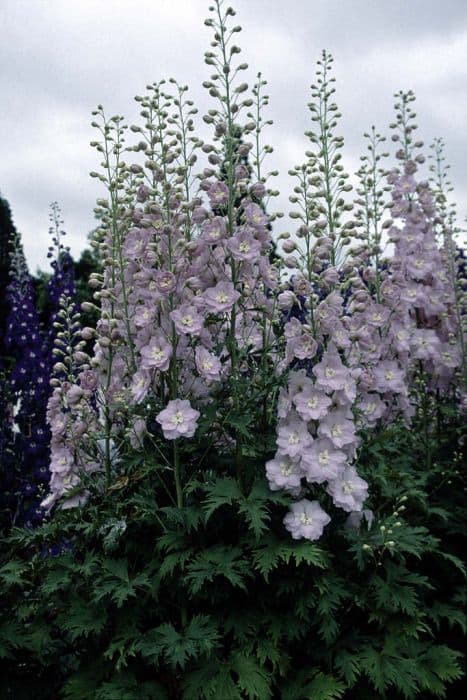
x: 80, y: 686
x: 251, y: 678
x: 254, y: 507
x: 324, y: 687
x: 453, y: 616
x: 57, y: 579
x: 12, y: 573
x: 211, y: 682
x: 269, y: 652
x: 173, y: 561
x: 82, y: 619
x: 313, y: 686
x: 116, y: 582
x: 455, y: 561
x: 126, y: 687
x: 272, y: 551
x: 348, y: 666
x: 227, y: 562
x: 12, y: 636
x: 120, y: 650
x: 255, y: 511
x: 386, y: 668
x: 440, y: 663
x: 198, y: 639
x: 222, y: 492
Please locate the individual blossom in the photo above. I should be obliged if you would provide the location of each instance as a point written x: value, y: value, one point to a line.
x: 330, y: 373
x: 157, y: 354
x: 178, y: 419
x: 214, y: 230
x: 348, y: 394
x: 88, y: 380
x: 372, y: 408
x: 322, y: 461
x: 348, y: 491
x: 299, y: 381
x: 166, y: 281
x: 302, y: 347
x: 144, y: 316
x: 220, y: 298
x: 208, y: 365
x: 187, y: 320
x: 425, y: 344
x: 140, y: 385
x: 283, y: 473
x: 218, y: 194
x: 306, y: 519
x: 338, y: 427
x: 136, y: 243
x: 293, y: 436
x: 244, y: 247
x: 389, y: 377
x: 255, y: 216
x: 311, y: 403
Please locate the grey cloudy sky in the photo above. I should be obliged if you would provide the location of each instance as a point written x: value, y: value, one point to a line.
x: 60, y: 58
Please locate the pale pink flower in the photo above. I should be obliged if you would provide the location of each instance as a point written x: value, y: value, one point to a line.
x: 322, y: 461
x: 156, y: 354
x: 283, y: 473
x: 207, y: 364
x: 178, y: 419
x: 244, y: 247
x: 293, y: 436
x: 306, y: 519
x: 330, y: 373
x: 187, y: 320
x: 348, y: 491
x: 338, y: 428
x: 220, y: 298
x: 311, y: 403
x: 389, y: 377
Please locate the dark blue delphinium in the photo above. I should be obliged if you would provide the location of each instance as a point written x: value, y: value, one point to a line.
x: 28, y: 388
x: 31, y: 344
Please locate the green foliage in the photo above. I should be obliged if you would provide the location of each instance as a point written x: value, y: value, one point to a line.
x: 214, y: 600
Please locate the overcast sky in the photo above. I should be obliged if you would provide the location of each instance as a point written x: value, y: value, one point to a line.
x: 60, y: 58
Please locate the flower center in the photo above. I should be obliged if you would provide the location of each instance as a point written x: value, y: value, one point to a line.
x: 306, y: 519
x: 286, y: 469
x: 389, y: 375
x: 323, y: 457
x: 293, y: 438
x: 336, y: 430
x: 312, y: 402
x: 177, y: 418
x: 347, y: 487
x: 187, y: 320
x: 330, y: 373
x: 157, y: 354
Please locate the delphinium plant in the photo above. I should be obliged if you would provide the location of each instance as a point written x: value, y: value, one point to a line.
x: 224, y: 418
x: 28, y: 387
